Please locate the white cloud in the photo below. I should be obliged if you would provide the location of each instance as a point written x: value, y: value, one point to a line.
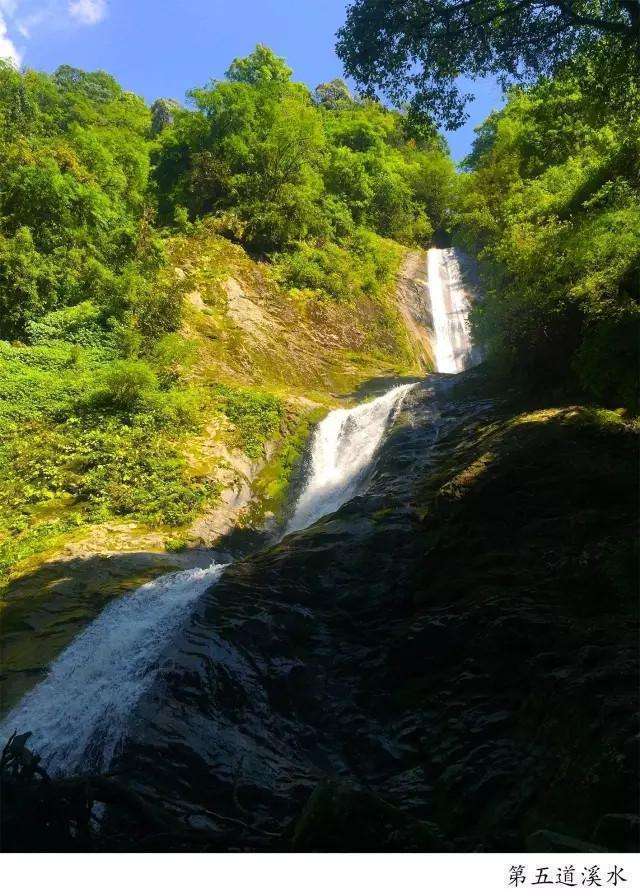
x: 8, y: 49
x: 88, y: 12
x: 25, y: 17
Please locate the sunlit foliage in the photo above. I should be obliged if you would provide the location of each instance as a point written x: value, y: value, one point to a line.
x: 288, y: 166
x: 552, y: 203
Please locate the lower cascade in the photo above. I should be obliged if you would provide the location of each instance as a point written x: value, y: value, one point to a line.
x: 342, y: 449
x: 78, y: 714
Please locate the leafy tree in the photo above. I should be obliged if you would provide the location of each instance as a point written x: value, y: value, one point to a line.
x: 291, y: 169
x: 552, y: 204
x: 419, y: 47
x: 262, y: 67
x: 27, y: 283
x: 333, y: 95
x: 74, y: 205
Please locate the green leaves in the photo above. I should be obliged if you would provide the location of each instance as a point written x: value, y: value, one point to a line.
x: 74, y: 177
x: 261, y: 68
x: 257, y: 416
x: 258, y: 145
x: 361, y: 268
x: 414, y: 50
x: 553, y: 205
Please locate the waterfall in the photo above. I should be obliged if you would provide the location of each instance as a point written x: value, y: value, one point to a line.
x: 450, y: 305
x: 78, y: 714
x: 342, y: 449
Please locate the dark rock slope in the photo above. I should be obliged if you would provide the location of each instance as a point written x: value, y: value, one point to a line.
x: 449, y: 662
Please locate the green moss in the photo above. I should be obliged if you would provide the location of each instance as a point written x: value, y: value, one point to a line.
x: 30, y: 540
x: 272, y: 487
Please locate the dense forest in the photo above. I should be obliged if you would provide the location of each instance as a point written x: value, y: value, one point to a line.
x: 268, y: 584
x: 551, y: 203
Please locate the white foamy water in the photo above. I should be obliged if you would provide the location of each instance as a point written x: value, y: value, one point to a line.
x: 342, y: 449
x: 78, y: 714
x: 450, y: 305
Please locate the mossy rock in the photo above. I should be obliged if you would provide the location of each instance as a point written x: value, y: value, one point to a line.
x: 342, y: 818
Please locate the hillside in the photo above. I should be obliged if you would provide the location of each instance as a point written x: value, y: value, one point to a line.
x: 264, y: 363
x: 319, y: 493
x: 183, y: 291
x: 446, y: 663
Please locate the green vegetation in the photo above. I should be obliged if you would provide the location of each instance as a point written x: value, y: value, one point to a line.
x: 75, y: 206
x: 348, y: 273
x: 85, y: 439
x: 258, y: 417
x: 552, y: 200
x: 416, y: 49
x: 174, y: 280
x: 552, y: 205
x: 273, y: 486
x: 111, y: 213
x: 284, y: 166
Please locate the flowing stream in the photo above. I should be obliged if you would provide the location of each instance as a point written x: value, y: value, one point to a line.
x: 78, y: 714
x: 343, y: 447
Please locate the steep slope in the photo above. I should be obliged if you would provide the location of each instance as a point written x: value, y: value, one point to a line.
x: 459, y: 642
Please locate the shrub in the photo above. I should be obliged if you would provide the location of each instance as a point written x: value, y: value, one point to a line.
x: 256, y: 415
x: 126, y: 385
x: 79, y: 324
x: 361, y: 266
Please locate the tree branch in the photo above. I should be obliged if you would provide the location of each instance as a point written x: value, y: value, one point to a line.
x: 606, y: 25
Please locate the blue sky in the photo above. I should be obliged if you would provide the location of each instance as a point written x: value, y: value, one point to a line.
x: 163, y: 48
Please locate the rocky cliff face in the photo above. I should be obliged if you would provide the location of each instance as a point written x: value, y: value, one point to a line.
x: 449, y: 661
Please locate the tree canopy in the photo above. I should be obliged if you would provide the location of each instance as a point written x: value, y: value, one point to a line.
x: 288, y: 166
x: 74, y: 167
x: 90, y: 174
x: 415, y: 49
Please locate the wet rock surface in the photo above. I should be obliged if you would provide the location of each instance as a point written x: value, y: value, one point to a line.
x: 451, y: 656
x: 45, y: 609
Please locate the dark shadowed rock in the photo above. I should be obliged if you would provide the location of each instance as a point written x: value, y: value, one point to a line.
x: 454, y: 650
x: 551, y: 841
x: 339, y: 818
x: 619, y: 832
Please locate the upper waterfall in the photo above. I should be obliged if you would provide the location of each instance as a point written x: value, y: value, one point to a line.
x: 450, y: 305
